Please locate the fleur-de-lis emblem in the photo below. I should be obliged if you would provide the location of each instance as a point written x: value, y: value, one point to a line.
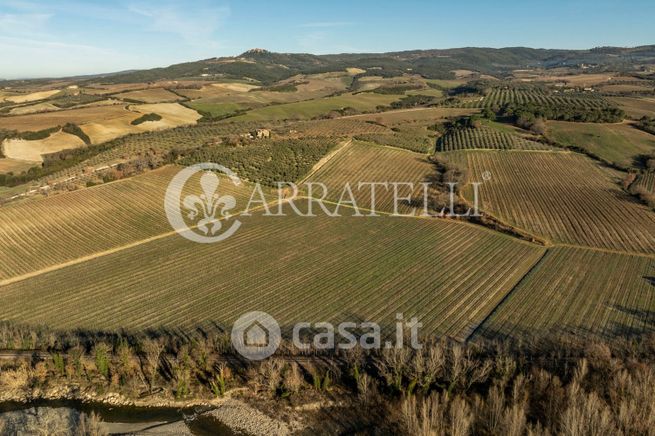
x: 204, y: 207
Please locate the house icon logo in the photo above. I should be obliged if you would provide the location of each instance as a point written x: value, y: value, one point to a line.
x: 256, y: 335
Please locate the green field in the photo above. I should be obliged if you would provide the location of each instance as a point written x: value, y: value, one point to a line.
x: 364, y: 102
x: 215, y: 110
x: 580, y: 292
x: 421, y: 115
x: 636, y: 107
x: 617, y: 143
x: 446, y: 84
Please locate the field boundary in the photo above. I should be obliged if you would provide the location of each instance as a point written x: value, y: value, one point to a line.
x: 507, y: 295
x: 604, y: 250
x: 325, y: 159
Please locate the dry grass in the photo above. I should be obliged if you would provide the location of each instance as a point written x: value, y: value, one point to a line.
x: 354, y: 71
x: 627, y: 88
x: 236, y: 87
x: 33, y: 96
x: 14, y: 166
x: 152, y: 95
x: 580, y: 80
x: 368, y: 83
x: 34, y: 109
x: 31, y: 151
x: 35, y: 122
x: 173, y: 115
x: 114, y: 88
x: 250, y: 96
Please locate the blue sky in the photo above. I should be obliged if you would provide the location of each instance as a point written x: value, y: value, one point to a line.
x: 56, y: 38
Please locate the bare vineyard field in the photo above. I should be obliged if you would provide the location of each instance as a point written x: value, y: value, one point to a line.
x: 364, y: 162
x: 582, y: 292
x: 647, y: 181
x: 35, y: 122
x: 564, y: 197
x: 448, y: 274
x: 486, y: 138
x: 40, y: 233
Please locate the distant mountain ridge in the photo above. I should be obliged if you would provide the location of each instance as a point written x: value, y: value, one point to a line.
x: 268, y: 67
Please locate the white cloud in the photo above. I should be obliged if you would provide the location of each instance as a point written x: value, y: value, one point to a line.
x: 327, y: 24
x: 44, y: 58
x: 194, y: 25
x: 21, y: 23
x: 38, y: 41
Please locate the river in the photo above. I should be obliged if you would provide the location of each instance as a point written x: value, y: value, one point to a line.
x: 17, y: 418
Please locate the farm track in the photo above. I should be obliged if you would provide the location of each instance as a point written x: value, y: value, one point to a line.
x: 465, y: 288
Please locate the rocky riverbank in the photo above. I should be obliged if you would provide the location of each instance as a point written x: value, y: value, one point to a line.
x: 63, y: 406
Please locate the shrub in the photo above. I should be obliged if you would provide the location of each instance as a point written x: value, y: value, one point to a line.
x: 74, y: 129
x: 35, y: 136
x: 145, y: 118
